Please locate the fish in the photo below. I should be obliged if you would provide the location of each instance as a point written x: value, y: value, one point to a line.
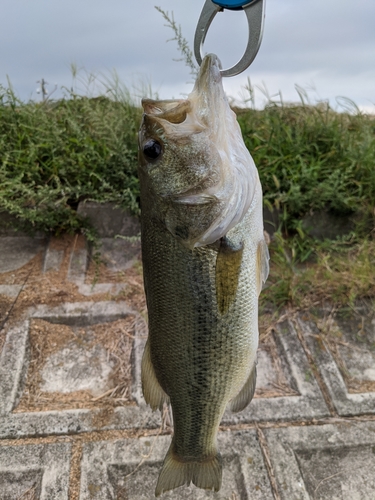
x: 204, y: 262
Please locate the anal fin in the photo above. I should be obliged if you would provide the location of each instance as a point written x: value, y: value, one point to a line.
x: 152, y: 390
x: 246, y: 394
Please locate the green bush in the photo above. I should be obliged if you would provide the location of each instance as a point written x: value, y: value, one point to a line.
x: 56, y: 153
x: 312, y: 158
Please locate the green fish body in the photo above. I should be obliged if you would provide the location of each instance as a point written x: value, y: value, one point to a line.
x: 204, y: 260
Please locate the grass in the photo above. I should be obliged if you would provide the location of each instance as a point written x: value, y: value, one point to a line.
x: 55, y: 154
x: 311, y: 158
x: 340, y: 273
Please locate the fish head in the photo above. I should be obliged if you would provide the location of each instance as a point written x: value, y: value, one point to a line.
x: 196, y: 174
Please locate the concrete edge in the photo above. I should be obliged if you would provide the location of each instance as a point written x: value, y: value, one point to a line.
x: 345, y: 403
x: 13, y: 365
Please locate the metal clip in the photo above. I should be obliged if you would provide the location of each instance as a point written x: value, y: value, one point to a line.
x: 254, y: 11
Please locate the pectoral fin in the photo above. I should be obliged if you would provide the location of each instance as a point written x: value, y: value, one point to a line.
x: 228, y: 264
x: 246, y: 394
x: 263, y: 267
x: 152, y: 391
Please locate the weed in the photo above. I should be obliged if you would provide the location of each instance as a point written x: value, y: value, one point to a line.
x: 55, y: 154
x: 311, y: 158
x: 340, y: 273
x: 182, y: 43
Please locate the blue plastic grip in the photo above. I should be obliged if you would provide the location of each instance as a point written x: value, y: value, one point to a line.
x: 231, y: 4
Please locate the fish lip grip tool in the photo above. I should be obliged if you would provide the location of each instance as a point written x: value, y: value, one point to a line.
x: 254, y: 10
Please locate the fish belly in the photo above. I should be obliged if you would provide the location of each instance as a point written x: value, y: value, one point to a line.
x: 200, y: 353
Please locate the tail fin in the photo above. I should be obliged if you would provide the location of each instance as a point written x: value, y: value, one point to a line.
x: 206, y: 474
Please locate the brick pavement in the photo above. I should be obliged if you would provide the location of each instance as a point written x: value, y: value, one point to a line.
x: 308, y: 434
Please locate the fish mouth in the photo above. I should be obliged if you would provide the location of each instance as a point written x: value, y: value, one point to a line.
x: 173, y: 111
x: 189, y: 112
x: 209, y: 73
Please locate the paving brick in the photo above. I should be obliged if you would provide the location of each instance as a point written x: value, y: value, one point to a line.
x: 325, y: 225
x: 16, y: 251
x: 78, y: 265
x: 95, y: 288
x: 129, y: 469
x: 308, y: 402
x: 340, y: 359
x: 20, y: 484
x: 358, y: 347
x: 7, y: 224
x: 321, y: 462
x: 77, y: 367
x: 52, y: 259
x: 10, y: 226
x: 10, y: 290
x: 119, y: 254
x: 34, y: 424
x: 13, y: 367
x: 328, y: 462
x: 82, y: 313
x: 109, y: 220
x: 118, y: 238
x: 39, y: 469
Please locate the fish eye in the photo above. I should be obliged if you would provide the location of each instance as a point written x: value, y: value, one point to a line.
x: 152, y: 149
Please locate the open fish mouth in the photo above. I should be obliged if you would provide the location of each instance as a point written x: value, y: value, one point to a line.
x: 175, y: 111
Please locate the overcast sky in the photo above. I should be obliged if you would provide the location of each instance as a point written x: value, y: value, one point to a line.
x: 325, y: 46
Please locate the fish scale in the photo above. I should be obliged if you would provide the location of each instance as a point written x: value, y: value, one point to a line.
x: 202, y: 295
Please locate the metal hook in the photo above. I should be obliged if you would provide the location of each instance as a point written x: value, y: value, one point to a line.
x: 254, y: 11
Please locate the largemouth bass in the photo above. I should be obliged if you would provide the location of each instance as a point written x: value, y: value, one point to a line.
x: 204, y: 261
